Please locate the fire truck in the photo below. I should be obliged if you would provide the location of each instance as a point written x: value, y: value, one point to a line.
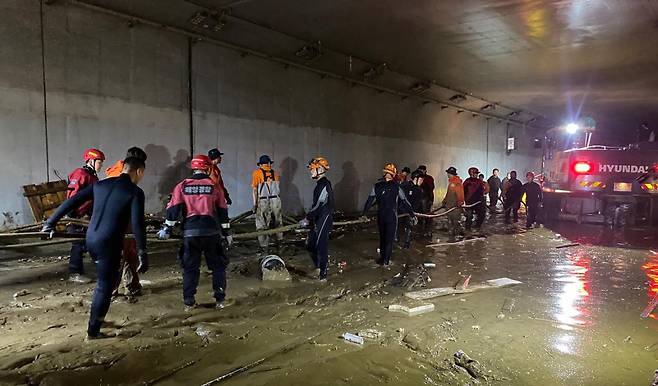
x: 602, y: 184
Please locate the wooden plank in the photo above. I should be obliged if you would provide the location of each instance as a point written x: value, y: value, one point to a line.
x: 444, y: 291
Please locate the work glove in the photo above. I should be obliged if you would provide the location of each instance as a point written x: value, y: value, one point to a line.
x: 304, y: 223
x: 143, y: 261
x: 414, y: 220
x: 229, y: 241
x: 47, y: 228
x: 163, y: 234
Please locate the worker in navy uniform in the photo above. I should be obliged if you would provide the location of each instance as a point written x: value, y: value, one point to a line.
x: 533, y: 199
x: 118, y: 201
x: 388, y: 196
x: 320, y: 217
x: 79, y: 179
x: 415, y: 195
x: 202, y: 205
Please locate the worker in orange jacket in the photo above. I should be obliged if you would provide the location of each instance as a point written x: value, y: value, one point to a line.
x: 216, y: 174
x: 129, y: 261
x: 453, y: 201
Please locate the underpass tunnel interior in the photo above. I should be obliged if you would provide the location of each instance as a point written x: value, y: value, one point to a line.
x: 550, y: 279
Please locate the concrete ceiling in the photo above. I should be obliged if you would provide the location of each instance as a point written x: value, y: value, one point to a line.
x: 556, y: 58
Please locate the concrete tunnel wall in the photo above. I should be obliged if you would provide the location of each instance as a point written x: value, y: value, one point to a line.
x: 112, y: 87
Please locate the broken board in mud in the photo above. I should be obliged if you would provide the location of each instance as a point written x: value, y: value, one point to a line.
x: 431, y: 293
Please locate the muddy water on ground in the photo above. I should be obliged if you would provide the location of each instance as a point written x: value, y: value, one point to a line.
x: 575, y: 320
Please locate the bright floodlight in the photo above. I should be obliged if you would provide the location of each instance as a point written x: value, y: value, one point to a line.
x: 572, y: 128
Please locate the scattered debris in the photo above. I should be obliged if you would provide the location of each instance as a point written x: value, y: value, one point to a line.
x: 567, y: 245
x: 627, y: 339
x: 353, y: 338
x: 22, y: 292
x: 371, y: 333
x: 462, y: 283
x: 475, y: 328
x: 647, y: 311
x: 508, y: 305
x: 472, y: 366
x: 411, y: 341
x: 429, y: 265
x: 501, y: 316
x: 412, y: 311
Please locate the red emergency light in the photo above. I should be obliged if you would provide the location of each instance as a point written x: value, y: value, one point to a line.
x: 582, y: 167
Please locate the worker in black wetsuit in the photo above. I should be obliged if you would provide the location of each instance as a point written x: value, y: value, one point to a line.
x: 388, y: 195
x: 117, y: 202
x: 320, y: 216
x: 414, y: 194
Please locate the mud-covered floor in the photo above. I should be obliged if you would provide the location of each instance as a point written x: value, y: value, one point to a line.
x: 575, y: 320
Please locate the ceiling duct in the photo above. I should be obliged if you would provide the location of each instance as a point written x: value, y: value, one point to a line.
x: 457, y: 98
x: 374, y: 72
x: 310, y: 52
x: 419, y: 87
x: 208, y: 21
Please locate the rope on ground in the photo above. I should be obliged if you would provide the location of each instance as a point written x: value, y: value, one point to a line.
x: 447, y: 211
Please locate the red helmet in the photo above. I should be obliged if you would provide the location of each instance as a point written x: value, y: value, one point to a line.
x: 93, y: 154
x: 201, y: 162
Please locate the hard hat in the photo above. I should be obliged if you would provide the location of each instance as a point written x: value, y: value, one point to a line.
x: 264, y: 159
x: 452, y: 170
x: 390, y: 169
x: 200, y: 162
x: 213, y: 154
x: 472, y: 170
x: 318, y: 162
x: 93, y: 154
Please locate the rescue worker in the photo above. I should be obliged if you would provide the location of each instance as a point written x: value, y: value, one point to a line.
x: 474, y: 191
x: 216, y: 174
x: 202, y: 206
x: 414, y: 194
x: 533, y: 199
x: 267, y: 203
x: 129, y: 261
x: 403, y: 175
x: 79, y: 179
x: 320, y: 217
x: 494, y: 188
x: 118, y: 201
x: 453, y: 201
x: 428, y: 188
x: 388, y: 196
x: 513, y: 194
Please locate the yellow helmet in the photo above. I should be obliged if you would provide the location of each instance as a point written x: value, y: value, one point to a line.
x: 318, y: 162
x: 390, y: 169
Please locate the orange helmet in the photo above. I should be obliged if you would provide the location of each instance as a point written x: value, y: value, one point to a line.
x: 200, y: 162
x: 318, y: 162
x: 93, y: 154
x: 390, y: 169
